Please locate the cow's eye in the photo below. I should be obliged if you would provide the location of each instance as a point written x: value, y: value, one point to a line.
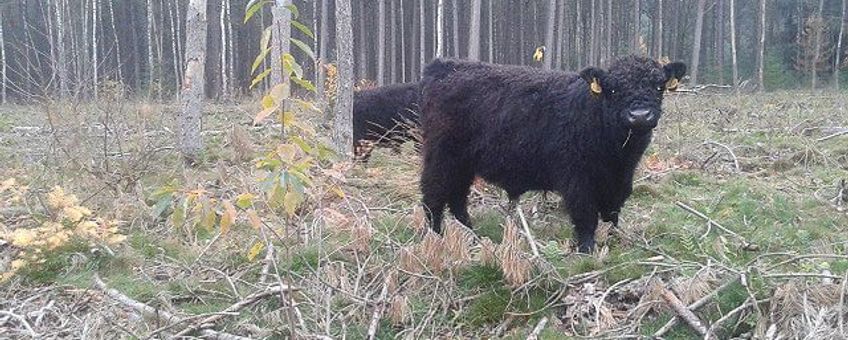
x: 612, y: 91
x: 660, y: 88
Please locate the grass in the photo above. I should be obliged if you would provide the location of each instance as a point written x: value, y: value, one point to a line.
x: 777, y: 200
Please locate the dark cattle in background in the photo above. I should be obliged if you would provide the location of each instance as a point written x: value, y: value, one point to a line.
x: 579, y: 134
x: 382, y: 116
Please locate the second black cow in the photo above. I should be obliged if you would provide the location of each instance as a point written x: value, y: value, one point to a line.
x: 579, y: 134
x: 384, y: 117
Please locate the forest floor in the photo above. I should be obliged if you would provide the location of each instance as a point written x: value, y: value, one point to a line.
x: 739, y: 211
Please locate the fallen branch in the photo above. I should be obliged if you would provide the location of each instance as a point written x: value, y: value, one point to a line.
x: 526, y: 227
x: 23, y: 322
x: 538, y: 329
x: 745, y: 244
x: 682, y: 311
x: 694, y: 306
x: 378, y: 311
x: 249, y: 300
x: 717, y: 324
x: 729, y: 150
x: 833, y: 135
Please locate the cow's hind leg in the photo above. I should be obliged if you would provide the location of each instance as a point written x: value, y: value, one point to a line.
x: 458, y: 201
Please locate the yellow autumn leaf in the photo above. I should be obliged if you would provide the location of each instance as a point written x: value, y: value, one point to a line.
x: 254, y: 220
x: 539, y: 54
x: 255, y: 250
x: 228, y: 217
x: 244, y: 200
x: 291, y: 201
x: 267, y: 102
x: 23, y: 237
x: 338, y: 191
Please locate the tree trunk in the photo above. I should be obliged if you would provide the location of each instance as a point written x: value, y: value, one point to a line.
x: 118, y: 59
x: 819, y: 27
x: 608, y: 33
x: 593, y: 37
x: 343, y: 124
x: 578, y: 34
x: 720, y: 38
x: 61, y: 65
x: 402, y: 45
x: 440, y: 29
x: 637, y: 28
x: 761, y: 47
x: 280, y: 44
x: 191, y: 100
x: 174, y: 52
x: 474, y: 32
x: 733, y: 44
x: 696, y: 45
x: 413, y: 56
x: 837, y: 61
x: 455, y: 27
x: 3, y: 63
x: 323, y: 38
x: 550, y: 49
x: 491, y: 37
x: 422, y: 34
x: 381, y: 42
x: 150, y: 40
x: 94, y: 62
x: 561, y: 43
x: 225, y: 81
x: 658, y: 30
x: 362, y: 64
x: 393, y: 61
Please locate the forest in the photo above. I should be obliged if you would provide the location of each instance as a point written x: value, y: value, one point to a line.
x: 276, y: 169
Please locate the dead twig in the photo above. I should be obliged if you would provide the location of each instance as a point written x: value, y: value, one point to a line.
x: 378, y: 310
x: 533, y: 248
x: 682, y: 311
x: 729, y: 150
x: 249, y: 300
x: 833, y: 135
x: 717, y: 324
x: 538, y: 329
x: 694, y: 306
x: 23, y: 322
x: 745, y: 244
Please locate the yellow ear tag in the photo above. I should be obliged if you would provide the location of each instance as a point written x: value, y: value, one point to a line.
x: 671, y: 84
x: 595, y: 86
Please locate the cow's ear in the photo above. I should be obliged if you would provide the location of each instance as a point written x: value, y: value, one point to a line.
x: 594, y: 76
x: 673, y: 73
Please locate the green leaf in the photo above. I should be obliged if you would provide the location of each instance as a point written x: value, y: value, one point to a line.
x: 293, y: 9
x: 268, y: 102
x: 301, y: 143
x: 291, y: 66
x: 244, y: 200
x: 299, y: 181
x: 303, y: 28
x: 306, y: 84
x: 254, y: 251
x: 291, y: 201
x: 164, y: 203
x: 305, y: 105
x: 208, y: 217
x: 277, y: 197
x: 259, y: 59
x: 303, y: 47
x: 252, y: 7
x: 259, y: 78
x: 179, y: 215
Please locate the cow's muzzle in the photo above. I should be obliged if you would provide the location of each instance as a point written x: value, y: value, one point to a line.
x: 642, y: 119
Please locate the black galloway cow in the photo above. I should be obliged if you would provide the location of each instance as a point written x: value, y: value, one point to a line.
x: 382, y: 116
x: 522, y: 129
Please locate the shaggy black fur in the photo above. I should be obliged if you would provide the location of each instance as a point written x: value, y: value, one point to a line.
x: 527, y: 129
x: 382, y: 116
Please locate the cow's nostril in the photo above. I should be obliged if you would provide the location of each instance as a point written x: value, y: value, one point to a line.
x: 640, y: 114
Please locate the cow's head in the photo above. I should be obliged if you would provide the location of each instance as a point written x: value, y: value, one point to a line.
x: 632, y: 89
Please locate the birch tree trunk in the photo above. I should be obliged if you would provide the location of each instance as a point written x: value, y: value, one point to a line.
x: 455, y: 27
x: 696, y: 45
x: 381, y: 42
x: 280, y: 44
x: 440, y: 29
x: 819, y: 27
x: 578, y: 34
x: 225, y: 81
x: 837, y: 61
x: 422, y: 37
x: 174, y: 52
x: 343, y: 124
x: 118, y: 58
x: 363, y: 43
x: 3, y: 63
x: 593, y: 37
x: 324, y: 38
x: 474, y: 32
x: 94, y: 62
x: 734, y: 65
x: 61, y: 65
x: 637, y: 28
x: 491, y: 34
x: 720, y: 39
x: 761, y: 47
x: 402, y: 45
x: 549, y: 35
x: 150, y: 39
x: 393, y: 62
x: 191, y: 100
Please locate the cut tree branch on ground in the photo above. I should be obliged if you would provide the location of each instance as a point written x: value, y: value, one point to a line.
x: 682, y: 311
x: 729, y: 150
x: 249, y: 300
x: 833, y: 135
x: 695, y: 305
x: 717, y: 324
x: 745, y: 244
x: 538, y: 329
x: 22, y: 320
x: 378, y: 310
x: 162, y: 316
x: 526, y: 227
